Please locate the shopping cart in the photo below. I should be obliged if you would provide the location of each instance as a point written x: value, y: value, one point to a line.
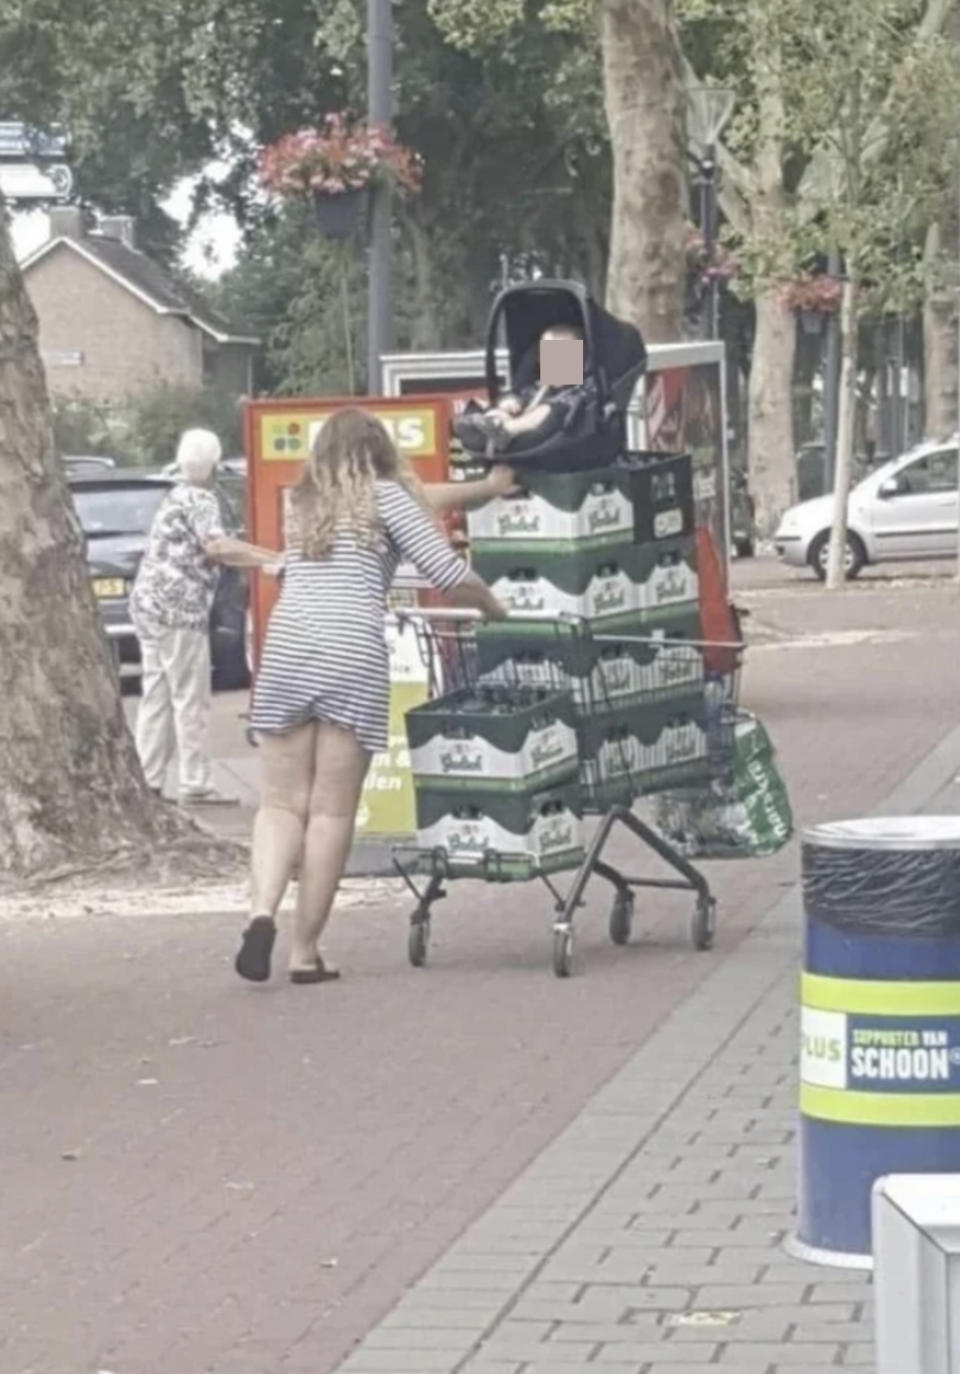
x: 602, y: 674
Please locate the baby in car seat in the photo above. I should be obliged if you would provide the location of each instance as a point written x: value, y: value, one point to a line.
x: 532, y: 415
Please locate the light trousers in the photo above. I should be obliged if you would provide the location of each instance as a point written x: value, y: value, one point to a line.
x: 174, y: 710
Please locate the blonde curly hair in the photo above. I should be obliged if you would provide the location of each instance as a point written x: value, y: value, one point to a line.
x: 337, y: 488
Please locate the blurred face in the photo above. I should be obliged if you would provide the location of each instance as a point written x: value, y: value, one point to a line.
x: 561, y: 358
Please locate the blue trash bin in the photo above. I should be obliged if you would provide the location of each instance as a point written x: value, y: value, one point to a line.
x: 880, y: 1021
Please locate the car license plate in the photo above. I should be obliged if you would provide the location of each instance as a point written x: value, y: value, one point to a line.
x: 104, y: 587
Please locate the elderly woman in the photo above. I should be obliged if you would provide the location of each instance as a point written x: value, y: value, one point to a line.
x: 321, y: 699
x: 170, y: 608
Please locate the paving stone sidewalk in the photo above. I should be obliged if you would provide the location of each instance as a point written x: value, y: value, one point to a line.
x: 201, y: 1177
x: 649, y: 1238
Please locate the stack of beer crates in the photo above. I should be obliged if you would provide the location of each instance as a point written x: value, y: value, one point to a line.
x: 593, y: 691
x: 495, y: 767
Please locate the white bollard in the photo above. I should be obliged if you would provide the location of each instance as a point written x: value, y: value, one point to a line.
x: 916, y: 1252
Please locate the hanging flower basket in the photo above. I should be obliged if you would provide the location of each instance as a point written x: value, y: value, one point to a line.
x: 812, y: 295
x: 336, y: 167
x: 339, y: 216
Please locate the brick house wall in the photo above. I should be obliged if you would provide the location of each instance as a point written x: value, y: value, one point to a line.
x: 125, y: 345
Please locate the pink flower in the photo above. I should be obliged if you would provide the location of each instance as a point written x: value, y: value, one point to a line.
x: 338, y: 156
x: 809, y: 291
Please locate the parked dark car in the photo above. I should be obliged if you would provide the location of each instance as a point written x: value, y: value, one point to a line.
x: 92, y: 466
x: 116, y: 510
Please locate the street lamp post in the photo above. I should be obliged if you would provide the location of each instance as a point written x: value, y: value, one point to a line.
x: 380, y: 111
x: 708, y: 173
x: 831, y: 385
x: 708, y: 110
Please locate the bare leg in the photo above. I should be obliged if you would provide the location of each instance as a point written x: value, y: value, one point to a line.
x: 286, y: 778
x: 340, y: 767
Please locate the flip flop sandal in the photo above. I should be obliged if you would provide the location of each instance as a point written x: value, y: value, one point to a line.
x: 320, y: 974
x: 253, y: 961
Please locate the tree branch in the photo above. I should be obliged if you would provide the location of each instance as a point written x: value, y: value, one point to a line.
x: 822, y: 170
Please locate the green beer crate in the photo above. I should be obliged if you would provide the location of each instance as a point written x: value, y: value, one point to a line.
x: 557, y: 511
x: 665, y: 577
x: 498, y: 737
x: 609, y: 761
x: 642, y: 748
x: 605, y: 670
x: 594, y: 584
x: 498, y: 836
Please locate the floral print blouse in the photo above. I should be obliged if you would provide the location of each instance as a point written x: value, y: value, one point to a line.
x: 176, y: 582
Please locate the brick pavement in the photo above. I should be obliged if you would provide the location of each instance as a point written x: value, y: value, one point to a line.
x: 649, y: 1238
x: 196, y: 1176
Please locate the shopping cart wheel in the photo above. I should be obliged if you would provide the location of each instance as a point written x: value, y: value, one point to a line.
x: 419, y: 940
x: 562, y: 953
x: 621, y: 917
x: 704, y: 923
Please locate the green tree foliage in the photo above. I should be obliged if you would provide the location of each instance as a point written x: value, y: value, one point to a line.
x: 514, y: 171
x: 111, y: 73
x: 845, y: 112
x: 154, y: 91
x: 143, y: 430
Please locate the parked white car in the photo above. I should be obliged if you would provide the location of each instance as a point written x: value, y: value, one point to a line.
x: 907, y: 509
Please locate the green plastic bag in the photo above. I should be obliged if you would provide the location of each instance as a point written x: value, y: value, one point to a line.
x: 745, y: 815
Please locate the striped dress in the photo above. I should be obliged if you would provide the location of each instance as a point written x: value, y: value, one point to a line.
x: 325, y: 655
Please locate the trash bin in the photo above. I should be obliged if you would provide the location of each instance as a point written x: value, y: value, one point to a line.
x: 880, y: 1021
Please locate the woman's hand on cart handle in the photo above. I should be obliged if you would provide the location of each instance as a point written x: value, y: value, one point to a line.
x: 490, y: 606
x: 496, y: 610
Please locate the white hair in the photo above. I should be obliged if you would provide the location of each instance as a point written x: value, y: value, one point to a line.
x: 198, y: 454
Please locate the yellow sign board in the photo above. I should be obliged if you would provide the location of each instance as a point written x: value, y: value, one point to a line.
x: 388, y: 805
x: 288, y: 435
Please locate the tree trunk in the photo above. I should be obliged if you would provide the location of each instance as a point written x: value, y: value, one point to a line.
x: 772, y: 461
x: 772, y: 466
x: 643, y: 91
x: 939, y: 348
x: 71, y: 788
x: 836, y: 566
x: 595, y: 263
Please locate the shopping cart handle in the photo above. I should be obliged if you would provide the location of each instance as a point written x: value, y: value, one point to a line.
x: 455, y: 615
x: 450, y: 615
x: 555, y: 617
